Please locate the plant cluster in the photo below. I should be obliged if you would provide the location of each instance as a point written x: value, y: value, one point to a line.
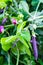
x: 21, y: 32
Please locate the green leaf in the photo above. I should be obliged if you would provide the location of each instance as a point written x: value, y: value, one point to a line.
x: 7, y: 42
x: 34, y: 2
x: 38, y: 18
x: 39, y: 31
x: 26, y: 35
x: 5, y: 63
x: 5, y: 0
x: 28, y: 51
x: 2, y: 4
x: 22, y: 49
x: 23, y: 41
x: 1, y: 16
x: 24, y: 6
x: 41, y: 1
x: 21, y: 26
x: 40, y: 61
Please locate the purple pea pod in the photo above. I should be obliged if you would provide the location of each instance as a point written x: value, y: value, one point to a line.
x: 1, y: 11
x: 4, y: 20
x: 1, y: 29
x: 34, y: 44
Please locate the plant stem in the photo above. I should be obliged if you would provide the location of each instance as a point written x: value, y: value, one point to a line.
x: 38, y: 17
x: 40, y: 26
x: 8, y: 59
x: 17, y: 55
x: 17, y: 58
x: 34, y: 18
x: 37, y: 8
x: 30, y: 14
x: 7, y: 33
x: 9, y: 25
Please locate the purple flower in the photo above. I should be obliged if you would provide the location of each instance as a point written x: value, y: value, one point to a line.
x: 1, y: 10
x: 34, y: 43
x: 1, y: 29
x: 4, y: 20
x: 14, y: 21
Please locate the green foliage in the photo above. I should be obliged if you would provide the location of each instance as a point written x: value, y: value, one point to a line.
x: 41, y: 1
x: 23, y: 49
x: 15, y: 42
x: 23, y: 6
x: 7, y: 42
x: 40, y: 61
x: 20, y: 26
x: 26, y: 35
x: 1, y: 60
x: 3, y: 3
x: 34, y: 2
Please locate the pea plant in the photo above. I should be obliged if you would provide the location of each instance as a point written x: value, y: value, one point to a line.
x: 21, y: 32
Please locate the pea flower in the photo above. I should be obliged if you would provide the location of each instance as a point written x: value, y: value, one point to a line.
x: 4, y: 20
x: 1, y: 29
x: 14, y: 21
x: 34, y: 44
